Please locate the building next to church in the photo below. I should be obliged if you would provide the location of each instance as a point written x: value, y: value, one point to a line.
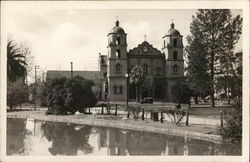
x: 165, y: 66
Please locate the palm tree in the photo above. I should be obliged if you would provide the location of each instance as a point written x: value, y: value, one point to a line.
x: 16, y: 66
x: 136, y: 77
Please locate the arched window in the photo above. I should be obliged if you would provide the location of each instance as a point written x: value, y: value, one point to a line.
x: 175, y: 55
x: 175, y: 42
x: 145, y: 68
x: 164, y: 43
x: 175, y: 68
x: 121, y: 89
x: 118, y: 67
x: 118, y: 53
x: 115, y: 89
x: 118, y: 40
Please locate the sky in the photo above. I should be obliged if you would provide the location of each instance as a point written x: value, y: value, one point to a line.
x: 58, y: 36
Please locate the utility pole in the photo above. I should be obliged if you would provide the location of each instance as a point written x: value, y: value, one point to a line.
x: 71, y: 69
x: 36, y: 67
x: 43, y: 77
x: 127, y: 77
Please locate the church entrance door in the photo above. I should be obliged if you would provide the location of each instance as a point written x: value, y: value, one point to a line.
x: 159, y: 93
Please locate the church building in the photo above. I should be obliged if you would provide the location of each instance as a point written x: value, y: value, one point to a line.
x: 165, y: 66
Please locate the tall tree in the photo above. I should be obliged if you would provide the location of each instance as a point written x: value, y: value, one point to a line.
x: 197, y: 69
x: 137, y: 76
x: 147, y: 84
x: 181, y: 93
x: 16, y: 65
x: 25, y: 50
x: 16, y: 72
x: 238, y: 72
x: 231, y: 81
x: 218, y: 32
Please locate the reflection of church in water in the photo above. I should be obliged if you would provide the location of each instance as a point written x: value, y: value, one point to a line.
x: 127, y: 142
x: 166, y: 67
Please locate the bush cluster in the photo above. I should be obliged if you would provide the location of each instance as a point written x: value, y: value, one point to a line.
x: 65, y: 96
x: 232, y: 129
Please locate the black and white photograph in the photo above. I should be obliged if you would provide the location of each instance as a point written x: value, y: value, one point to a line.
x: 124, y: 81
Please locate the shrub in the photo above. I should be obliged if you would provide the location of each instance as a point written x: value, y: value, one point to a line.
x: 16, y: 93
x: 135, y: 111
x: 69, y: 95
x: 175, y: 115
x: 232, y: 129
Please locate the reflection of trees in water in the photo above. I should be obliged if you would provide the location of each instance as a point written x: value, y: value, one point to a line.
x: 68, y: 139
x: 65, y: 139
x: 16, y: 132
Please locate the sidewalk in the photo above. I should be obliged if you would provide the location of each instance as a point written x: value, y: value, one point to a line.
x: 213, y: 121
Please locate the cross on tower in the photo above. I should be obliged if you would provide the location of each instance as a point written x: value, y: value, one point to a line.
x: 172, y: 20
x: 145, y: 37
x: 116, y: 17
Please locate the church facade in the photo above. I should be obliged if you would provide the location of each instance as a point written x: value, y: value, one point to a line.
x: 165, y: 67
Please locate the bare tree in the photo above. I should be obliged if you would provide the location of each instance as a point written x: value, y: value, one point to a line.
x: 28, y: 58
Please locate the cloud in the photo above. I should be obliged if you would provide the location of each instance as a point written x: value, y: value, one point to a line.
x: 136, y: 32
x: 68, y: 35
x: 35, y: 24
x: 58, y: 36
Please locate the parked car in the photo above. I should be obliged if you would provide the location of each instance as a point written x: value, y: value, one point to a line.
x: 147, y: 100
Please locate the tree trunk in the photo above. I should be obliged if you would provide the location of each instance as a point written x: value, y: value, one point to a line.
x: 228, y: 97
x: 196, y: 99
x: 140, y: 93
x: 212, y: 79
x: 137, y: 93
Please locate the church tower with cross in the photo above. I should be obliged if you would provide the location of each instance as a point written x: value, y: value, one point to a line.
x: 117, y: 63
x: 173, y: 49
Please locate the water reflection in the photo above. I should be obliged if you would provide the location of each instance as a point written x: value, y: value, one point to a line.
x: 66, y: 140
x: 32, y: 137
x: 15, y: 136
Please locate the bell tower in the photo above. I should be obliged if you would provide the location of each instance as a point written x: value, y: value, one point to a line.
x: 117, y: 63
x: 173, y: 49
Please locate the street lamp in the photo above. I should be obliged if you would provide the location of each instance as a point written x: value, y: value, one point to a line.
x: 126, y: 76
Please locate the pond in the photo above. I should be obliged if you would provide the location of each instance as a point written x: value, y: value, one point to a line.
x: 35, y: 137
